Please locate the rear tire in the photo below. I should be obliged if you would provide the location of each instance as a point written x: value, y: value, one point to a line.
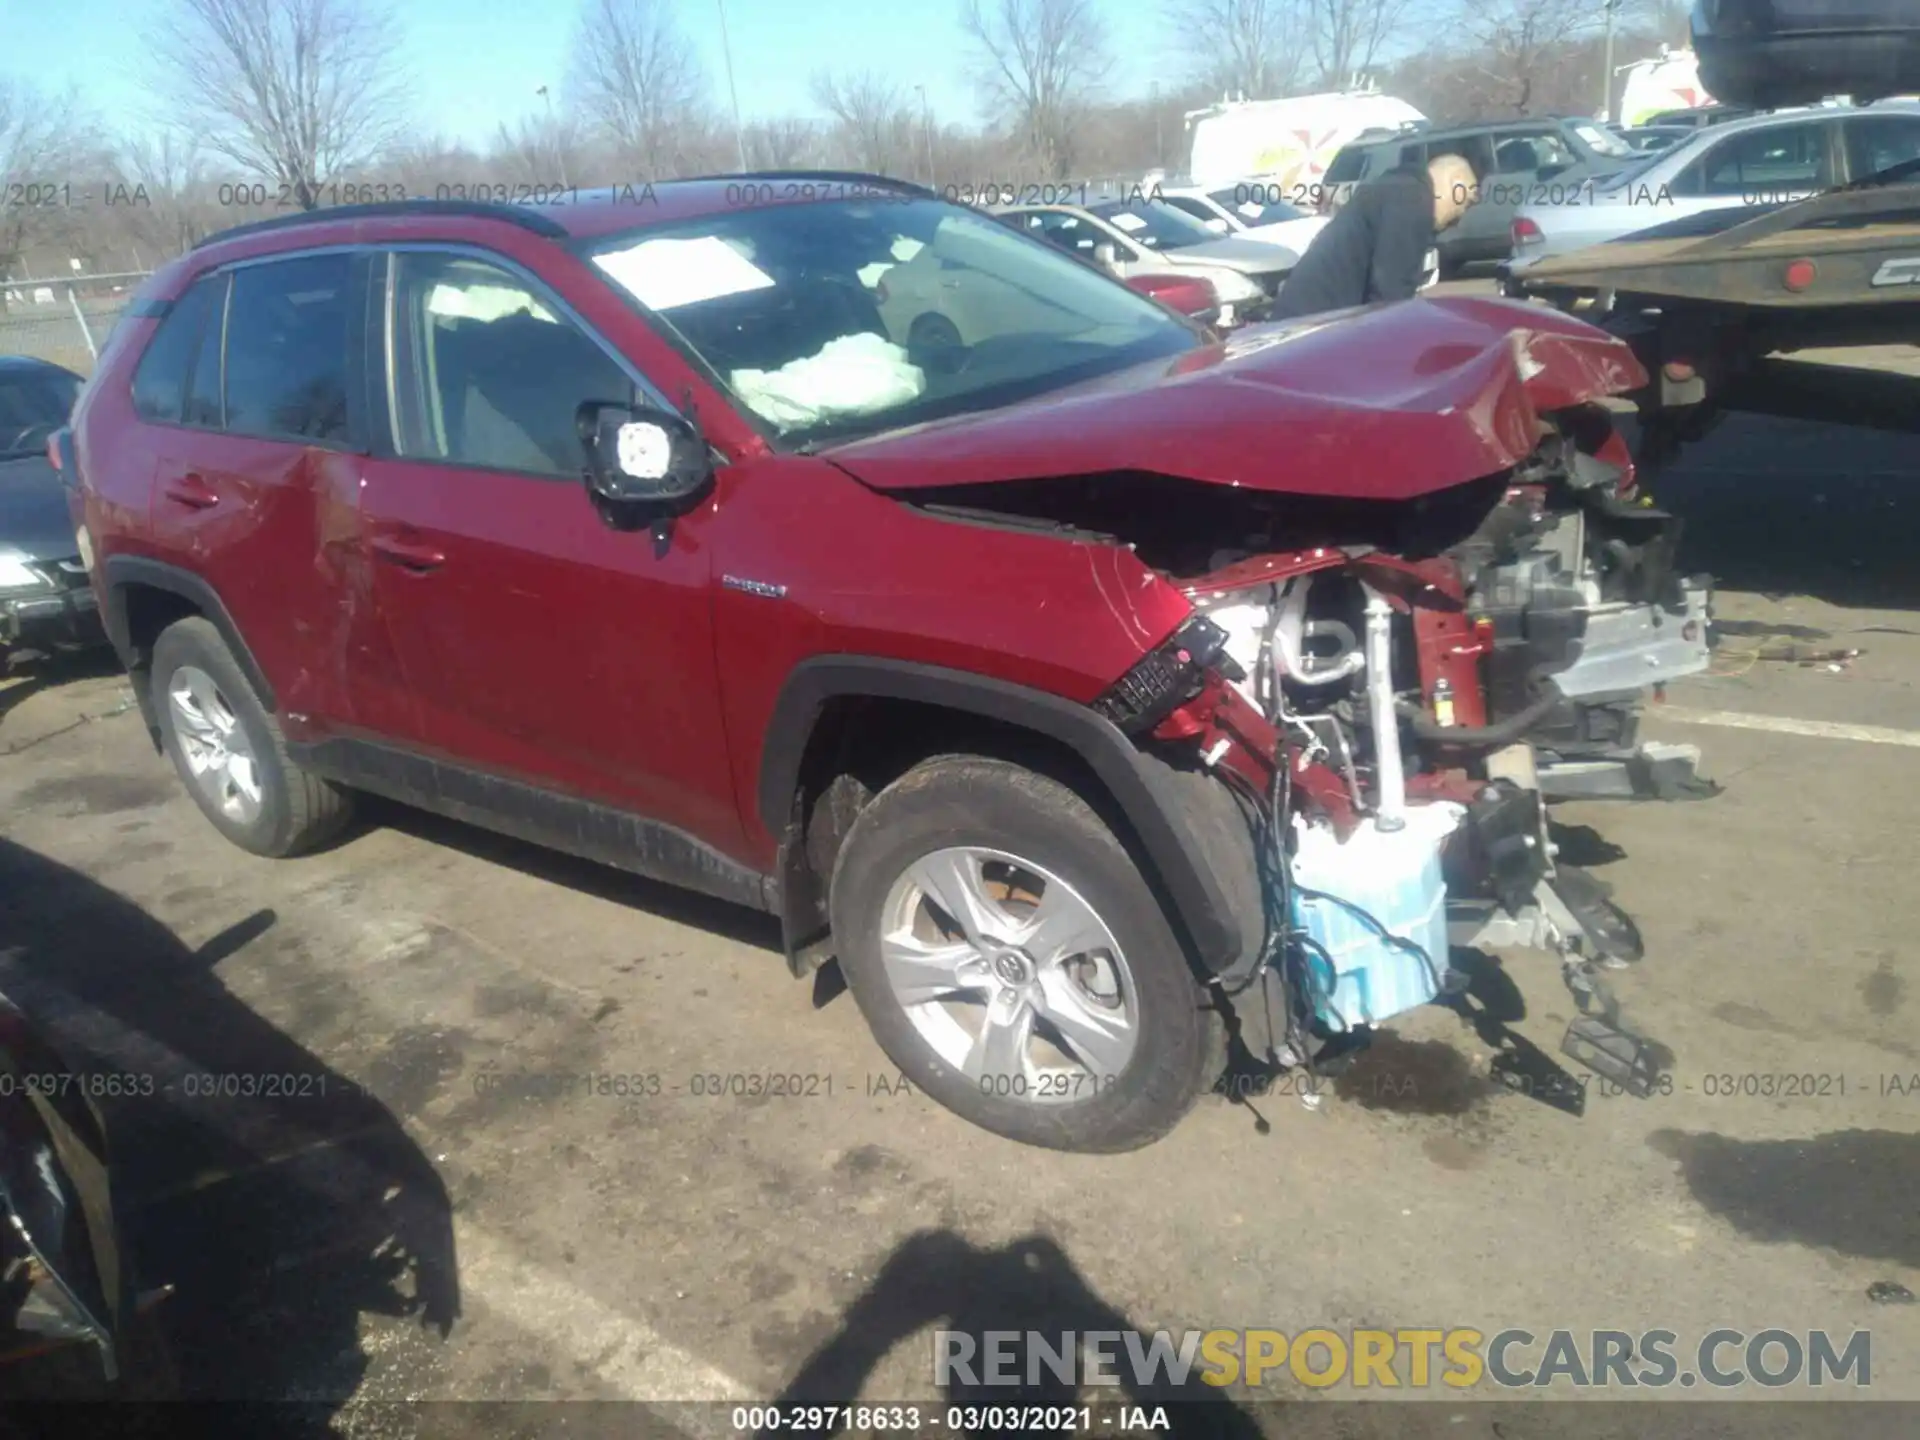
x: 229, y: 752
x: 1101, y: 1038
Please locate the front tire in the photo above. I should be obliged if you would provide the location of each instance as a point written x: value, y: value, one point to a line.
x: 1012, y: 961
x: 229, y: 752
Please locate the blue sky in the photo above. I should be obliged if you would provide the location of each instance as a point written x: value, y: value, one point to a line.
x: 478, y: 62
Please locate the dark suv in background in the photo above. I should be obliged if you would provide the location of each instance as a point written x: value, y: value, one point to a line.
x: 1517, y: 162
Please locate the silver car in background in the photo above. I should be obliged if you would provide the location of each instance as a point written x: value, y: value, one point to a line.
x: 1761, y: 161
x: 1141, y: 236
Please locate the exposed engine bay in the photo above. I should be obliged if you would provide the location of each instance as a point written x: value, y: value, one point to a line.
x: 1425, y: 667
x: 1572, y: 608
x: 1552, y: 602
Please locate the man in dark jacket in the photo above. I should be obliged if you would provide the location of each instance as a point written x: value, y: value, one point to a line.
x: 1375, y: 247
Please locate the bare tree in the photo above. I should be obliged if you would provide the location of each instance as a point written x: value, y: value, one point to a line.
x: 422, y: 161
x: 1346, y: 36
x: 783, y: 144
x: 1241, y: 48
x: 542, y: 150
x: 1522, y: 42
x: 1665, y: 21
x: 871, y: 121
x: 49, y: 148
x: 637, y: 78
x: 168, y: 169
x: 1040, y: 62
x: 297, y: 92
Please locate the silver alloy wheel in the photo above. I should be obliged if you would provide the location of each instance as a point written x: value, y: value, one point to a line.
x: 219, y: 756
x: 1010, y: 975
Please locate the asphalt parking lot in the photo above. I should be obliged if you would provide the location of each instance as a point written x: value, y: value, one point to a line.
x: 413, y: 1220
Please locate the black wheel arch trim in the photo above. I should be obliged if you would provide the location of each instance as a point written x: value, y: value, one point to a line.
x: 121, y: 572
x: 1137, y: 785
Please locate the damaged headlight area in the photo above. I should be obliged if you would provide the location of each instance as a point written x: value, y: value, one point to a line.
x: 1341, y: 693
x: 1168, y: 676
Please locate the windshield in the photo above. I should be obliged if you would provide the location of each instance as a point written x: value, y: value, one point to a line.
x: 838, y: 319
x: 1602, y: 142
x: 1154, y: 224
x: 1252, y: 210
x: 33, y: 404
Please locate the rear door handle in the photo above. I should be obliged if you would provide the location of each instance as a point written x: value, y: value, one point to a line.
x: 411, y: 555
x: 192, y: 491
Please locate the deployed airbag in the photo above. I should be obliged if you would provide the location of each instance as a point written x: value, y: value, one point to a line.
x: 853, y: 375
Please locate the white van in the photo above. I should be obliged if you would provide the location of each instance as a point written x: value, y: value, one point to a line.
x: 1669, y: 81
x: 1287, y: 143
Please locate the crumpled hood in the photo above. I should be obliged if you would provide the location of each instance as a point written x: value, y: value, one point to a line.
x: 1387, y: 403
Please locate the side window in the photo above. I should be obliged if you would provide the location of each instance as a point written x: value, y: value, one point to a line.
x: 160, y: 379
x: 1199, y: 210
x: 1476, y: 150
x: 486, y: 373
x: 1531, y: 151
x: 1780, y: 159
x: 1879, y: 142
x: 203, y: 405
x: 1065, y: 232
x: 286, y: 353
x: 1349, y: 165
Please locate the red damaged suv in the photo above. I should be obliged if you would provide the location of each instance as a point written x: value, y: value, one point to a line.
x: 1017, y: 661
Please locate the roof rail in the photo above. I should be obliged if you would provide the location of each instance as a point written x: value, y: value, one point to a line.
x: 519, y: 215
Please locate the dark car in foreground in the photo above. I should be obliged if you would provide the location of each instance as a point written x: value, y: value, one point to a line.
x: 45, y: 602
x: 997, y: 664
x: 66, y: 1300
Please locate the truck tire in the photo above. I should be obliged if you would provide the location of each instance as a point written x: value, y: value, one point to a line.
x: 1013, y: 962
x: 229, y: 751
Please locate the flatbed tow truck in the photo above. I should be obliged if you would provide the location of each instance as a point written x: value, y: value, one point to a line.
x: 1713, y: 304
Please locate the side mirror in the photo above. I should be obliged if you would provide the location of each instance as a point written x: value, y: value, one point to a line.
x: 1106, y: 253
x: 639, y: 455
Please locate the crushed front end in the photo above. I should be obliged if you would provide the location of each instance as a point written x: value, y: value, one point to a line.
x: 1420, y: 575
x: 1386, y: 835
x: 1573, y: 575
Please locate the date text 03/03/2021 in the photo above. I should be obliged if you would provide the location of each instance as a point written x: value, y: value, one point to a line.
x: 956, y: 1419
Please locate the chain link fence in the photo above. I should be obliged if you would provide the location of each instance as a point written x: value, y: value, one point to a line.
x: 63, y: 320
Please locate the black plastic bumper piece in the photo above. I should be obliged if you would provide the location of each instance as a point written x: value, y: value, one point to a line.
x: 1498, y: 848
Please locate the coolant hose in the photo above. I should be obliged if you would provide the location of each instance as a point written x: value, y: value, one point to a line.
x: 1512, y: 728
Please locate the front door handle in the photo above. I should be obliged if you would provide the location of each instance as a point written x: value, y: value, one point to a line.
x: 191, y: 490
x: 413, y: 555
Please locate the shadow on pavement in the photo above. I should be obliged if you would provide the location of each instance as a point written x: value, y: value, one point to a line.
x: 282, y: 1202
x: 1848, y: 1190
x: 670, y: 902
x: 1780, y: 507
x: 938, y: 1280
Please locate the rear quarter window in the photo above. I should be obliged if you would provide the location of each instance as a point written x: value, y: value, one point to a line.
x: 287, y: 348
x: 160, y: 379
